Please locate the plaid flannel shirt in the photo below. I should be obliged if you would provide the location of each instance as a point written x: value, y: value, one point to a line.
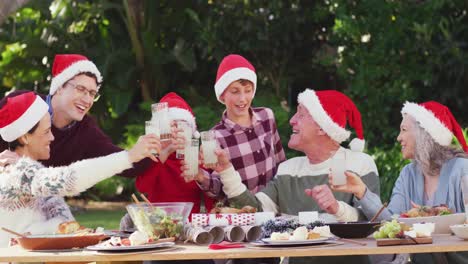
x: 255, y: 151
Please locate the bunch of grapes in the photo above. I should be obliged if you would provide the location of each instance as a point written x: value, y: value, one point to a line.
x: 389, y: 230
x: 283, y: 225
x: 279, y: 225
x: 311, y: 226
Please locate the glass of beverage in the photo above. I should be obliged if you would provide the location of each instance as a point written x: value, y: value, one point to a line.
x: 191, y: 159
x: 338, y: 167
x: 209, y: 145
x: 161, y: 114
x: 186, y: 133
x: 152, y: 127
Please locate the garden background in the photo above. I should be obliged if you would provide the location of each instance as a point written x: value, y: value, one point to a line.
x: 380, y: 53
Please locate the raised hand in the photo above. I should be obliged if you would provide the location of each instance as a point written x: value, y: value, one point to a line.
x: 324, y: 198
x: 143, y: 148
x: 354, y: 184
x: 224, y: 160
x: 8, y: 157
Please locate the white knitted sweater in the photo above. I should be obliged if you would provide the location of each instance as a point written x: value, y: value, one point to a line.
x: 31, y: 194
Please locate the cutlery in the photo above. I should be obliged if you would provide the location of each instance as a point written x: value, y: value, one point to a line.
x: 378, y: 213
x: 13, y: 232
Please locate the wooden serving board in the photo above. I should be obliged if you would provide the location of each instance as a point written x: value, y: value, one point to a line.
x: 403, y: 241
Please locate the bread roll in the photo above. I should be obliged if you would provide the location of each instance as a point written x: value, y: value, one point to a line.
x: 68, y: 227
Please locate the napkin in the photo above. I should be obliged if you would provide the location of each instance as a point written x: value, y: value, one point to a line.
x: 226, y: 245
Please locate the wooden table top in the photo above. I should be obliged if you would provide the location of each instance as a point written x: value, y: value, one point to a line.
x: 442, y: 243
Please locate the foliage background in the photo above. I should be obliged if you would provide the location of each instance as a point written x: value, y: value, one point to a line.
x: 380, y: 53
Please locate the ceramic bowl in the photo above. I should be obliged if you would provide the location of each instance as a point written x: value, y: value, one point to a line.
x: 460, y: 231
x: 353, y: 229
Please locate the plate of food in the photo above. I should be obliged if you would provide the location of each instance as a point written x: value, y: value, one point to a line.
x: 69, y: 235
x: 295, y: 242
x: 300, y: 236
x: 442, y: 216
x: 136, y: 242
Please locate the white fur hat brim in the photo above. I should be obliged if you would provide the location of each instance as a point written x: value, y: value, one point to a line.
x: 234, y: 75
x: 73, y: 70
x: 429, y: 122
x: 26, y: 121
x: 311, y: 102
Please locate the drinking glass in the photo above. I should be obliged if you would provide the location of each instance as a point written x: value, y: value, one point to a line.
x: 191, y: 159
x: 209, y: 145
x: 186, y: 133
x: 152, y: 127
x: 338, y: 167
x: 161, y: 114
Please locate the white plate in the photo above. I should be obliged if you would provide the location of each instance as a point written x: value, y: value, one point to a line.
x: 442, y: 222
x: 100, y: 247
x: 295, y: 242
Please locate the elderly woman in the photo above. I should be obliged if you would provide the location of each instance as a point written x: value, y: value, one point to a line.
x: 29, y: 192
x: 435, y: 175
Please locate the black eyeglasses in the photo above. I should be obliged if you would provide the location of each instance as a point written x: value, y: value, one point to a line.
x: 83, y: 91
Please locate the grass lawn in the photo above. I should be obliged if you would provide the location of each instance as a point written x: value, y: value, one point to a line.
x: 109, y: 219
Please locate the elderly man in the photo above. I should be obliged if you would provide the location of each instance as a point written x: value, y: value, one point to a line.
x: 318, y: 129
x: 73, y: 90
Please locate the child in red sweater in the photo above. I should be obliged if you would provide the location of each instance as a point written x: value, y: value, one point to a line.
x: 162, y: 181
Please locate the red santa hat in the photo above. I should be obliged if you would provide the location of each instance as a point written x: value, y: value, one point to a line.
x: 67, y: 66
x: 179, y: 109
x: 330, y: 109
x: 20, y: 114
x: 437, y: 120
x: 232, y: 68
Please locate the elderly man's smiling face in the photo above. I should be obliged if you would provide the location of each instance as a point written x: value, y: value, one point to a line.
x: 305, y: 130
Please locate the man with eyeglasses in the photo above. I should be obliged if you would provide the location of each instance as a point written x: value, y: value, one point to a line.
x: 74, y: 88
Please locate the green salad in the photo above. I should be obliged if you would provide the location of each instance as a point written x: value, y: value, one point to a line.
x: 156, y: 223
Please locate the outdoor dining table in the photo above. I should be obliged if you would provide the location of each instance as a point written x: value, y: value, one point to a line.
x: 441, y: 243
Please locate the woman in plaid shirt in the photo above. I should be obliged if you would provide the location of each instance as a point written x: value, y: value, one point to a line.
x: 249, y: 134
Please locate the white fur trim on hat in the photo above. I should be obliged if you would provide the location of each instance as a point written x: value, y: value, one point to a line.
x: 73, y: 70
x: 176, y: 113
x: 309, y: 99
x: 357, y: 145
x: 429, y: 122
x: 234, y: 75
x: 26, y: 121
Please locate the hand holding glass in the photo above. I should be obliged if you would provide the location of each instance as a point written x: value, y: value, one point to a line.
x: 209, y: 145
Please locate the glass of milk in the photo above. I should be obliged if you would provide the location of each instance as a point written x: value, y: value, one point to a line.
x: 161, y: 114
x: 152, y: 128
x: 191, y: 159
x: 186, y: 133
x: 209, y: 145
x: 338, y: 167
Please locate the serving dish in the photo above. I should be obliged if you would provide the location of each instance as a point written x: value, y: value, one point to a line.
x: 51, y: 242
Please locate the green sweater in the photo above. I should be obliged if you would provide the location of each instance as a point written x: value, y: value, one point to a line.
x: 285, y: 193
